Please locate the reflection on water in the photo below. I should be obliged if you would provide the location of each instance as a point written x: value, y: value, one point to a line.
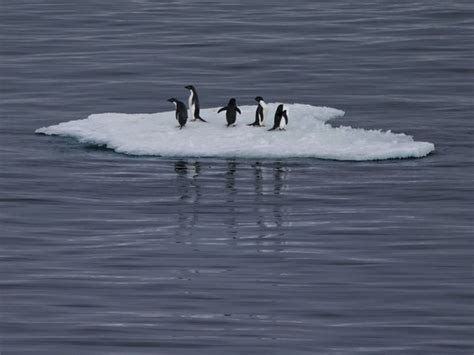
x: 279, y: 176
x: 187, y: 180
x: 257, y: 167
x: 230, y: 219
x: 239, y: 201
x: 230, y: 177
x: 189, y: 192
x: 258, y: 212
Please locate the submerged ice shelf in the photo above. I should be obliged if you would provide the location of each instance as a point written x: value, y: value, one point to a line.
x: 307, y: 136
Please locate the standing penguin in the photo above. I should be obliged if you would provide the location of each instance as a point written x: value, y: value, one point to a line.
x: 281, y: 118
x: 181, y: 112
x: 260, y: 113
x: 193, y: 103
x: 231, y: 112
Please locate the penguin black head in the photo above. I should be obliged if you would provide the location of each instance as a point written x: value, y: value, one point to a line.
x: 259, y: 98
x: 189, y: 87
x: 173, y: 100
x: 280, y: 108
x: 232, y: 101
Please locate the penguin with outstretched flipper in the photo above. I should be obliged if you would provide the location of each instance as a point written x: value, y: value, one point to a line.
x: 231, y: 112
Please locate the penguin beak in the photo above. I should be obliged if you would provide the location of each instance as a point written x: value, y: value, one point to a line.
x: 188, y: 87
x: 170, y: 100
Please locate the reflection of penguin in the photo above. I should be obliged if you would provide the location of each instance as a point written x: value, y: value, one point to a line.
x: 278, y: 173
x: 193, y: 102
x: 231, y: 112
x: 187, y: 174
x: 181, y: 112
x: 258, y: 178
x: 278, y: 178
x: 182, y: 189
x: 197, y: 169
x: 258, y: 210
x: 189, y: 192
x: 181, y: 169
x: 230, y: 175
x: 259, y: 113
x: 281, y: 118
x: 231, y: 220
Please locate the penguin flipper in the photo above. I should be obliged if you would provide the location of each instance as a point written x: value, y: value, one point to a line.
x: 238, y: 110
x: 222, y: 109
x: 201, y: 119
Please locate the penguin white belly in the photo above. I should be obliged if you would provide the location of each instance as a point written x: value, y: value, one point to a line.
x: 191, y: 105
x: 176, y: 113
x: 261, y: 118
x: 282, y: 123
x: 264, y: 113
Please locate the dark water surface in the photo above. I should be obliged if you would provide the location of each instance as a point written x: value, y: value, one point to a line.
x: 104, y: 253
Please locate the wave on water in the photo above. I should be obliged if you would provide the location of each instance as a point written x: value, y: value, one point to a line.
x: 307, y: 136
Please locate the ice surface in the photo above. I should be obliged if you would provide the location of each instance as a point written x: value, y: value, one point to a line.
x: 307, y: 135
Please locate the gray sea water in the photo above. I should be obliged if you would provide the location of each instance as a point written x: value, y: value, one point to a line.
x: 103, y: 253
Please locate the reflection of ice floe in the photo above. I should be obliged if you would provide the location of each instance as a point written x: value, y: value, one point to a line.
x: 307, y: 136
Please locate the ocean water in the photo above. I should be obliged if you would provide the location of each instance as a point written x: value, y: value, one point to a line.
x: 104, y: 253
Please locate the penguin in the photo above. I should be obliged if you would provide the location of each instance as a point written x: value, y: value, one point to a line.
x: 193, y: 102
x: 259, y: 113
x: 181, y: 112
x: 231, y: 112
x: 281, y: 118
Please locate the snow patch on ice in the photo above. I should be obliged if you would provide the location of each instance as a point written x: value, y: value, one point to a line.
x: 307, y: 135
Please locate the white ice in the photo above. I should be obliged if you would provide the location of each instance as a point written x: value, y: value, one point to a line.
x: 307, y: 136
